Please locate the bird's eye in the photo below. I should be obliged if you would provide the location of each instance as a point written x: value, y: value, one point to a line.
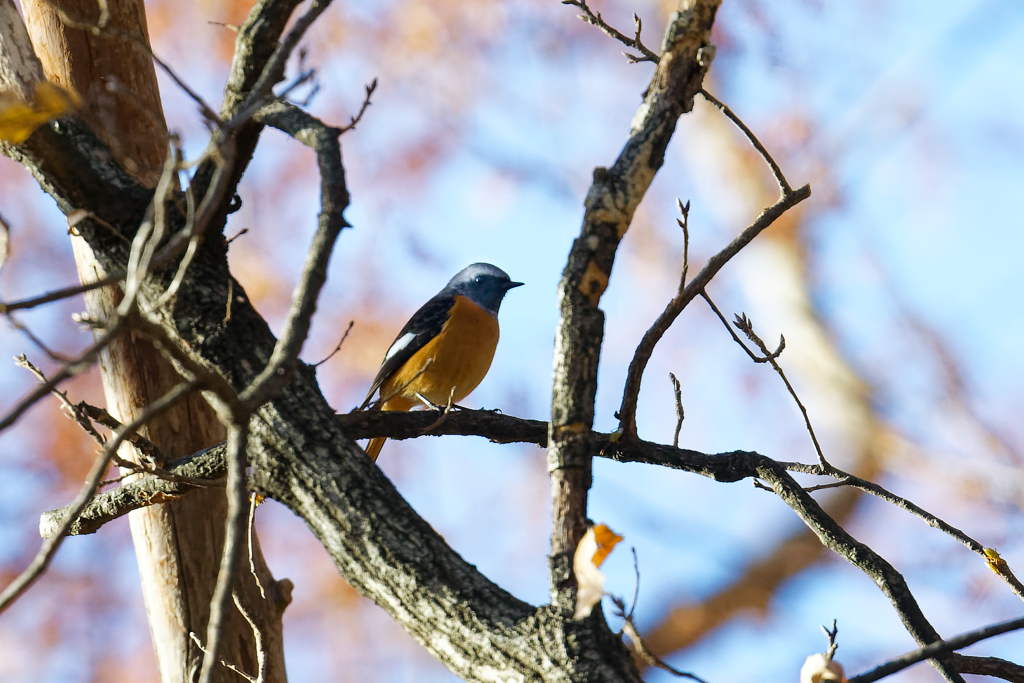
x: 478, y: 279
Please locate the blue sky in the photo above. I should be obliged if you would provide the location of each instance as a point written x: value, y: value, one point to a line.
x: 907, y: 120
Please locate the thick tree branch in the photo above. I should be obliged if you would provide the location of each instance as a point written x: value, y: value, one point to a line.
x: 609, y: 207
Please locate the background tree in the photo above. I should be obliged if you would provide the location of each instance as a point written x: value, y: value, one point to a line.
x: 420, y: 28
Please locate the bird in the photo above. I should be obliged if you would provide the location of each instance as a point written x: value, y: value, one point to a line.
x: 446, y: 348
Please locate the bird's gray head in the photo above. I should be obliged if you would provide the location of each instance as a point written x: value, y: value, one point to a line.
x: 483, y: 284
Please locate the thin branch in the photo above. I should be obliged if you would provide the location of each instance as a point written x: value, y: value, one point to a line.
x: 740, y: 465
x: 5, y: 241
x: 595, y: 19
x: 226, y: 665
x: 634, y: 377
x: 746, y: 326
x: 334, y: 199
x: 631, y: 393
x: 846, y: 479
x: 84, y: 360
x: 776, y: 171
x: 55, y: 356
x: 273, y: 70
x: 831, y: 635
x: 638, y: 644
x: 936, y: 649
x: 257, y: 634
x: 753, y: 356
x: 362, y: 110
x: 254, y: 500
x: 74, y: 412
x: 679, y: 409
x: 50, y: 546
x: 238, y: 437
x: 146, y: 447
x: 59, y: 294
x: 337, y: 348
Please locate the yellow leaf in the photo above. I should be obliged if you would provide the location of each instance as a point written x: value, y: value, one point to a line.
x: 19, y: 119
x: 606, y: 540
x: 995, y: 562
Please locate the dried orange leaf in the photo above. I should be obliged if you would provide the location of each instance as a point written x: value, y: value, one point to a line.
x: 606, y: 540
x: 590, y: 553
x: 19, y: 119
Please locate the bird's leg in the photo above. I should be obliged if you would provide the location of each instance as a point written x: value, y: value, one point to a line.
x: 444, y: 410
x: 430, y: 404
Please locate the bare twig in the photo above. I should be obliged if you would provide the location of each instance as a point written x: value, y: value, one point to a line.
x: 59, y: 294
x: 273, y: 71
x: 771, y: 357
x: 55, y: 356
x: 75, y: 412
x: 86, y: 359
x: 337, y: 348
x: 254, y: 500
x: 679, y: 409
x: 742, y: 465
x: 238, y: 436
x: 638, y: 644
x: 776, y: 171
x: 257, y: 634
x: 753, y: 356
x: 847, y: 479
x: 51, y: 545
x: 148, y: 449
x: 634, y: 377
x: 636, y: 591
x: 362, y: 110
x: 234, y: 237
x: 226, y: 665
x: 594, y: 18
x: 831, y: 635
x: 627, y: 411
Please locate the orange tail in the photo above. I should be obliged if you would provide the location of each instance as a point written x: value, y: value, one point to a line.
x: 373, y: 448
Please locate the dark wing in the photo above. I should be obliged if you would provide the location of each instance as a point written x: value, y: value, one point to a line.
x: 424, y: 325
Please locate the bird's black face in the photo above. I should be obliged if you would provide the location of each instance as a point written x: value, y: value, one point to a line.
x: 483, y: 284
x: 488, y: 290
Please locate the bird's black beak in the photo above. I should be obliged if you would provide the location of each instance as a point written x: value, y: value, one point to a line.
x: 513, y: 285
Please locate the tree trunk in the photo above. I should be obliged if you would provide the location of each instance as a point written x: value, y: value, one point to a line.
x: 177, y: 544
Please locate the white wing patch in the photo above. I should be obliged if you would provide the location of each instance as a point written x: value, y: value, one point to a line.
x: 399, y: 344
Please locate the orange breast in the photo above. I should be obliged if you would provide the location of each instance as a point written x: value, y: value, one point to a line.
x: 461, y: 354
